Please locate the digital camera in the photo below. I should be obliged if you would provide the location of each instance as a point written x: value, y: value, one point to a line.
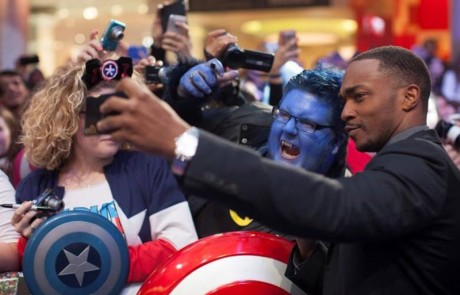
x: 112, y: 35
x: 235, y: 58
x: 48, y: 201
x: 156, y: 74
x: 47, y: 204
x: 449, y: 131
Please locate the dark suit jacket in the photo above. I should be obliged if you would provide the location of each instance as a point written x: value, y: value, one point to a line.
x: 395, y: 228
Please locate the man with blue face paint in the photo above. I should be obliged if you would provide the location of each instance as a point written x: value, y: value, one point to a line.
x: 307, y: 131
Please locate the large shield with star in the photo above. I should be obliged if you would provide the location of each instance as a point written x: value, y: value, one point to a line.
x: 76, y: 252
x: 243, y: 263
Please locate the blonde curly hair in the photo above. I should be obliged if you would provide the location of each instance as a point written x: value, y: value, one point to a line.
x: 51, y: 118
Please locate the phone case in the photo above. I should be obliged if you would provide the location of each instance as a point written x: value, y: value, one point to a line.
x: 288, y: 36
x: 173, y: 18
x: 177, y: 8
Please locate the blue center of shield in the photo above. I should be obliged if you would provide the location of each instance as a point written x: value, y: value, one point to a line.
x: 78, y: 265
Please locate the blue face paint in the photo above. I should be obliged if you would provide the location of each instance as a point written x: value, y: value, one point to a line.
x: 289, y: 143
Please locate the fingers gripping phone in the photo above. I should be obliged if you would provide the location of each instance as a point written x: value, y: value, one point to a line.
x: 172, y: 27
x: 287, y: 36
x: 177, y: 8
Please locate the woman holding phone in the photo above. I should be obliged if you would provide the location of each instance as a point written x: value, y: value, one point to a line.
x: 137, y: 192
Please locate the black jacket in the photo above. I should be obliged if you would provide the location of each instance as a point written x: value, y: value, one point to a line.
x: 395, y: 228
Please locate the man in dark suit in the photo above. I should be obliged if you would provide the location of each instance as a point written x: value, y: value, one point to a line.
x: 393, y: 229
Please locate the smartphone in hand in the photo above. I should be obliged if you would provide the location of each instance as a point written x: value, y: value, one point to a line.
x: 172, y: 27
x: 177, y: 8
x: 287, y: 36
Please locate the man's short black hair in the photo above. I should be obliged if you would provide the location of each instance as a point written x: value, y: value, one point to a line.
x: 402, y: 64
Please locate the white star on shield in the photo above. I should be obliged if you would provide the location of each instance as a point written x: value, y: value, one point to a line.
x: 78, y: 265
x: 110, y: 70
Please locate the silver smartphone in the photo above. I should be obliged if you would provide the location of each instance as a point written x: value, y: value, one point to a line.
x: 173, y: 19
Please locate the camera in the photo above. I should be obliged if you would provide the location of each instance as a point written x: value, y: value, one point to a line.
x: 156, y: 74
x: 449, y: 131
x: 112, y: 35
x: 29, y: 59
x: 48, y: 201
x: 235, y: 58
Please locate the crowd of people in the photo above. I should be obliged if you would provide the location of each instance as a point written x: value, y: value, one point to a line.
x: 339, y: 159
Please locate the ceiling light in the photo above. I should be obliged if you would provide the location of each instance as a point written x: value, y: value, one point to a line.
x: 116, y: 10
x: 142, y: 9
x: 90, y: 13
x: 63, y: 13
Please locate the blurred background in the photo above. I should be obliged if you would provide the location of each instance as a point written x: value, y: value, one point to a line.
x: 56, y: 30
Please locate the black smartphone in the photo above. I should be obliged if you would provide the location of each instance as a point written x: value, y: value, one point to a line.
x: 177, y: 8
x: 92, y: 111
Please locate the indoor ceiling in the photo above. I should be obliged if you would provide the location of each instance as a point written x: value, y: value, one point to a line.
x: 315, y: 27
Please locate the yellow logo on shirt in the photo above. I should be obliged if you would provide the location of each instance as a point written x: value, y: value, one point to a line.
x: 238, y: 220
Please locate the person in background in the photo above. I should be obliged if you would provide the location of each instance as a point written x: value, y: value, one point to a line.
x: 428, y: 52
x: 180, y: 44
x: 9, y: 145
x: 394, y: 228
x: 27, y: 66
x: 450, y: 86
x: 9, y: 257
x: 13, y: 92
x: 135, y: 191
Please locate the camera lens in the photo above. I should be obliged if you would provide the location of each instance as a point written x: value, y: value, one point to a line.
x: 117, y: 33
x: 234, y: 57
x: 54, y: 203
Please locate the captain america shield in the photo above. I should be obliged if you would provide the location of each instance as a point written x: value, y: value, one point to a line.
x: 76, y: 252
x: 243, y: 263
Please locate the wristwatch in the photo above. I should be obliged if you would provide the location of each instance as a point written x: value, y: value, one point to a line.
x: 186, y: 145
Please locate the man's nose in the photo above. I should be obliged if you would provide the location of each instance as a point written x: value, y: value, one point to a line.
x: 347, y: 112
x: 290, y: 126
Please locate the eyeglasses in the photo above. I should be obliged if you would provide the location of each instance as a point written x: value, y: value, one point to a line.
x: 302, y: 125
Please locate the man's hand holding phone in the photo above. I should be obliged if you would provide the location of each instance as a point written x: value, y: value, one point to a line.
x: 176, y: 37
x: 287, y: 50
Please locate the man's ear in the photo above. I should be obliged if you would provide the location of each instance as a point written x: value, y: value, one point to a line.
x: 411, y: 97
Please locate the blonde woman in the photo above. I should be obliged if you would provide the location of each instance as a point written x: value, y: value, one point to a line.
x: 137, y: 192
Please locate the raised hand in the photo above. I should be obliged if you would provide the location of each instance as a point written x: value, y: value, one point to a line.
x: 202, y: 79
x: 217, y: 42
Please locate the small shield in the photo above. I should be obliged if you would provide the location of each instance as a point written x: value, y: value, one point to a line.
x: 76, y: 252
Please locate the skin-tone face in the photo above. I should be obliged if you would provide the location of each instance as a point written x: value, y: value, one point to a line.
x: 5, y: 137
x: 100, y: 148
x: 15, y: 91
x: 372, y: 105
x: 311, y: 151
